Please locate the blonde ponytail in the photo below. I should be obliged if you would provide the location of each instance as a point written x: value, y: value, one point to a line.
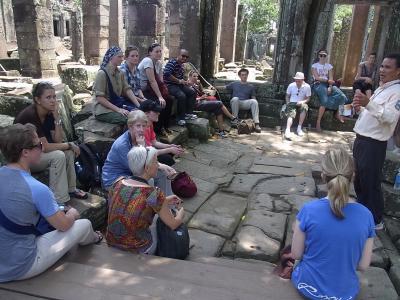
x: 337, y: 168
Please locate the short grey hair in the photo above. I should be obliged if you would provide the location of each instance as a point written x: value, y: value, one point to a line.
x: 140, y: 157
x: 136, y: 116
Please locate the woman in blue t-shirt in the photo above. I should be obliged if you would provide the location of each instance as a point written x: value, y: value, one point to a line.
x: 333, y: 236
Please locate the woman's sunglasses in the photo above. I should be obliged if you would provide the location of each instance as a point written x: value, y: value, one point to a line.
x: 322, y: 55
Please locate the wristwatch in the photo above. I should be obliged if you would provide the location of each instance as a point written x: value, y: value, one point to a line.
x: 58, y: 122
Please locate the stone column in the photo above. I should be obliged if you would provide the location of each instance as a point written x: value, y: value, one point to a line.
x: 185, y: 29
x: 146, y: 24
x: 372, y: 38
x: 34, y: 27
x: 211, y: 17
x: 241, y: 35
x: 393, y: 37
x: 76, y: 34
x: 228, y: 30
x: 290, y: 45
x: 116, y: 24
x: 96, y: 28
x: 355, y: 43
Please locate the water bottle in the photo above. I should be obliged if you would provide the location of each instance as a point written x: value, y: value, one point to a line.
x: 397, y: 181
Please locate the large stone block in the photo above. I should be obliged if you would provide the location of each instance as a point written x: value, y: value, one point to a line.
x: 6, y: 121
x: 105, y: 129
x: 78, y: 77
x: 12, y: 105
x: 243, y: 184
x: 251, y: 242
x: 199, y: 129
x: 229, y: 210
x: 85, y: 113
x: 390, y: 167
x: 392, y: 200
x: 375, y: 284
x: 304, y: 186
x: 204, y: 244
x: 94, y: 208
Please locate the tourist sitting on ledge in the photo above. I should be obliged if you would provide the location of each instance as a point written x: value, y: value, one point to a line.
x: 116, y: 164
x: 112, y: 95
x: 210, y: 104
x: 297, y: 96
x: 24, y: 253
x: 333, y: 236
x: 154, y: 88
x: 135, y: 203
x: 330, y: 96
x: 180, y: 88
x: 244, y: 97
x: 57, y: 157
x: 165, y: 152
x: 365, y: 77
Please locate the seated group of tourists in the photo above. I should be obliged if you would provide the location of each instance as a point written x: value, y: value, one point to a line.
x: 327, y: 232
x: 118, y: 90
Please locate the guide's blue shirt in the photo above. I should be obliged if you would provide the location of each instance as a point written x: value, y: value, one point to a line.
x: 22, y: 199
x: 333, y: 249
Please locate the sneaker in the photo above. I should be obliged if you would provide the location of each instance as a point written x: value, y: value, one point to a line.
x: 257, y: 128
x: 380, y: 226
x: 222, y: 134
x: 300, y: 132
x: 190, y: 117
x: 288, y: 134
x: 235, y: 122
x: 181, y: 122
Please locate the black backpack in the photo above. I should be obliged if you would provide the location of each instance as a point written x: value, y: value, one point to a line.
x: 172, y: 243
x: 89, y: 164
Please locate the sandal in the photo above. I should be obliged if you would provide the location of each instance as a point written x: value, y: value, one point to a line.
x: 79, y: 194
x: 99, y: 237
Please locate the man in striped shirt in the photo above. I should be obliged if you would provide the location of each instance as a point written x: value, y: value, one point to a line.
x: 180, y: 88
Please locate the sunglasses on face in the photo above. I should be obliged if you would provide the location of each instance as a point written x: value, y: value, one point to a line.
x: 38, y: 146
x: 322, y: 55
x: 185, y: 56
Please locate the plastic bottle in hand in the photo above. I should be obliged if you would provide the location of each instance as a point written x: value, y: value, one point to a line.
x: 397, y: 181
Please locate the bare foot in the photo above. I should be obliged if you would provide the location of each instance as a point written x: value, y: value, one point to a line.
x: 318, y: 127
x: 340, y: 119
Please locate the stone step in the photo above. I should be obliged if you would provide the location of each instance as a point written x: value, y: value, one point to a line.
x: 93, y: 208
x: 102, y: 272
x: 99, y: 268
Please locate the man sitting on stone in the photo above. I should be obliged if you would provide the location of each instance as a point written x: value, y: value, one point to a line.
x: 297, y: 96
x: 180, y: 88
x: 244, y: 97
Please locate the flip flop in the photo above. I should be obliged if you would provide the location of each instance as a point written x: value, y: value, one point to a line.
x: 79, y: 194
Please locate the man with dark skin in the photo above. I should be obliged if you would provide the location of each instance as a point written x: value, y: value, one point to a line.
x: 180, y: 88
x: 374, y: 127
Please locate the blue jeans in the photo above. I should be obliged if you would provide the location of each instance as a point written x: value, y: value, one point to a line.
x: 185, y: 97
x: 336, y: 98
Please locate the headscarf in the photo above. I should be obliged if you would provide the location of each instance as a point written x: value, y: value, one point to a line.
x: 114, y: 50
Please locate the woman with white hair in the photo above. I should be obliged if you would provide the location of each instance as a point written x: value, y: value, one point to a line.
x: 135, y: 203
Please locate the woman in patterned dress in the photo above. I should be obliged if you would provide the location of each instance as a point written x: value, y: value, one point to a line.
x: 135, y: 203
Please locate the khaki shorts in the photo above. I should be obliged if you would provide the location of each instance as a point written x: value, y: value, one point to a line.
x: 291, y: 110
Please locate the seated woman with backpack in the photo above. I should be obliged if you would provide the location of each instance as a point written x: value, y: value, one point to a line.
x: 210, y: 103
x: 112, y: 95
x: 57, y: 157
x: 25, y: 249
x: 135, y: 203
x: 333, y: 236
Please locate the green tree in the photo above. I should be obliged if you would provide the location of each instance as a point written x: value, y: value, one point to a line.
x: 261, y: 14
x: 342, y: 13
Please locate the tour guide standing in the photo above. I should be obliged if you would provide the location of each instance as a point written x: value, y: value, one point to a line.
x: 375, y: 125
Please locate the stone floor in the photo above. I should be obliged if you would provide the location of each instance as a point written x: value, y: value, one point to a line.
x: 250, y: 188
